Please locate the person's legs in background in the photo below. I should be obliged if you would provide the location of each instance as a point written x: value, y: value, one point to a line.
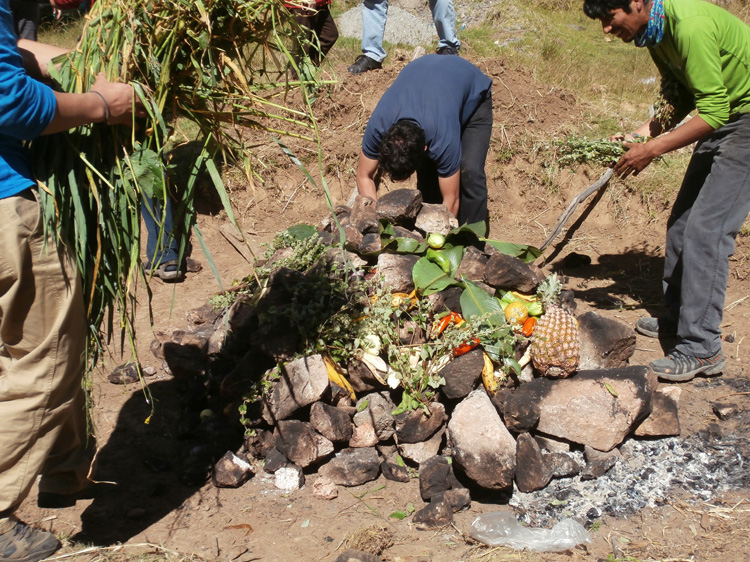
x: 25, y: 18
x: 327, y: 33
x: 161, y: 246
x: 444, y: 16
x: 374, y: 17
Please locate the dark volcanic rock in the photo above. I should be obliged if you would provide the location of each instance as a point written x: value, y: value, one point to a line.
x: 352, y: 467
x: 231, y: 471
x: 332, y: 423
x: 532, y: 472
x: 394, y: 472
x: 605, y: 343
x: 300, y: 443
x: 400, y: 206
x: 508, y: 272
x: 260, y: 443
x: 415, y: 426
x: 462, y: 374
x: 433, y: 516
x: 435, y: 477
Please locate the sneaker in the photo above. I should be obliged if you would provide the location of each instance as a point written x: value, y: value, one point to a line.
x: 678, y: 367
x: 654, y: 327
x: 447, y: 50
x: 363, y: 64
x: 24, y: 544
x: 166, y: 271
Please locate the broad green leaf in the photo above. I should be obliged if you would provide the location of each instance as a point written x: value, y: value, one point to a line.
x: 520, y: 251
x: 386, y: 228
x: 454, y: 255
x: 145, y: 170
x: 399, y: 515
x: 429, y: 278
x: 476, y: 302
x: 466, y: 235
x: 402, y: 245
x: 301, y: 231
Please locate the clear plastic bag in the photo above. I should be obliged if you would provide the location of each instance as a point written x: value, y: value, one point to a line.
x: 501, y: 528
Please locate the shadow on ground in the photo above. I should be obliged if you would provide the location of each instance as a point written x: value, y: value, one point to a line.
x: 156, y: 459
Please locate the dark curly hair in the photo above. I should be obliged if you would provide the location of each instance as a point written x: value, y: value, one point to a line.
x: 401, y: 150
x: 598, y: 9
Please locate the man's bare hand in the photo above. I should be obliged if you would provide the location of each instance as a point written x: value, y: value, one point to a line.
x: 638, y: 156
x: 119, y: 99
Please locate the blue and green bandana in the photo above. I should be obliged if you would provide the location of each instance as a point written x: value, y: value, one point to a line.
x: 655, y: 29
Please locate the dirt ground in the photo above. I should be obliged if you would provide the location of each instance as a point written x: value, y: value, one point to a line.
x: 150, y: 511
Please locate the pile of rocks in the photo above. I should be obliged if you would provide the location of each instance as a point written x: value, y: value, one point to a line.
x: 304, y: 424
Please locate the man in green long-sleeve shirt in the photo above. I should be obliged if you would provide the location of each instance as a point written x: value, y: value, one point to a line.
x: 703, y: 55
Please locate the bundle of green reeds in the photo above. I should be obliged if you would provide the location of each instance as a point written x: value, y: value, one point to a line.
x: 219, y: 63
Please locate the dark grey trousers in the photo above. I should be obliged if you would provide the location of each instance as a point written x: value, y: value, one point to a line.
x: 475, y: 142
x: 712, y: 204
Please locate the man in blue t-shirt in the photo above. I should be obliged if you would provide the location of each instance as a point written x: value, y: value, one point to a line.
x: 435, y: 119
x: 43, y: 429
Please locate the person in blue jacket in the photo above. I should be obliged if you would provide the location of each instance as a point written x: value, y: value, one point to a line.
x: 435, y: 119
x: 43, y: 328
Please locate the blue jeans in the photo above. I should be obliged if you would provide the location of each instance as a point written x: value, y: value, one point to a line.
x: 375, y: 14
x: 712, y: 204
x: 161, y: 246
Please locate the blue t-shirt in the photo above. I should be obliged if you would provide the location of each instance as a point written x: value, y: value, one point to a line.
x: 438, y: 92
x: 26, y: 108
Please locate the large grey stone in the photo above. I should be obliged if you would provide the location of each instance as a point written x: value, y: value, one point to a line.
x: 435, y: 218
x: 606, y: 343
x: 300, y: 443
x: 508, y: 272
x: 400, y: 206
x: 482, y: 446
x: 396, y: 271
x: 302, y: 382
x: 352, y: 467
x: 595, y: 408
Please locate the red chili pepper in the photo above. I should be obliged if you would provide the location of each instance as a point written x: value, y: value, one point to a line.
x: 528, y: 327
x: 447, y: 319
x: 465, y: 347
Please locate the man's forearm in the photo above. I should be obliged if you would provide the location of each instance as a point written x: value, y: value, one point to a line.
x: 37, y: 57
x: 366, y: 187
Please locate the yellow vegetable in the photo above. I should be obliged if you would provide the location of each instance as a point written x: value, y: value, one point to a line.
x: 488, y: 375
x: 516, y: 313
x: 336, y: 376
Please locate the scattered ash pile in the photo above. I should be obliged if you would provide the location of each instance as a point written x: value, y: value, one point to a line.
x: 425, y: 348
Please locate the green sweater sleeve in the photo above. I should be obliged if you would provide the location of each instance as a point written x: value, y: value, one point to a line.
x: 708, y: 51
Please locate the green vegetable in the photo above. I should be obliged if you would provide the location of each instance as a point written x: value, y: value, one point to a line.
x: 435, y: 240
x: 436, y: 257
x: 535, y: 308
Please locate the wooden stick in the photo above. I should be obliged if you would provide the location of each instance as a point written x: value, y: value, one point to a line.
x: 596, y: 186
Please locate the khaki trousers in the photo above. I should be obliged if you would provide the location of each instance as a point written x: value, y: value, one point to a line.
x: 43, y: 332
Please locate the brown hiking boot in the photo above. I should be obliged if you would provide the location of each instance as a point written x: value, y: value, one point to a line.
x: 23, y: 544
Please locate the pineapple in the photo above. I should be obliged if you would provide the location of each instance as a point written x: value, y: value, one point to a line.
x: 555, y: 346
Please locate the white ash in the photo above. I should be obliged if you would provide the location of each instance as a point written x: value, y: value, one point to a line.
x: 648, y: 473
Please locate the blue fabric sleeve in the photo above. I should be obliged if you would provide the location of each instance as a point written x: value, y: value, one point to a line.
x: 26, y: 109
